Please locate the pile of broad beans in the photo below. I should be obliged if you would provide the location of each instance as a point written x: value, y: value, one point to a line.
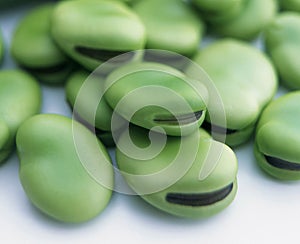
x: 137, y: 81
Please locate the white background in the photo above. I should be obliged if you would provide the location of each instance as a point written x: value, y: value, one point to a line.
x: 264, y: 211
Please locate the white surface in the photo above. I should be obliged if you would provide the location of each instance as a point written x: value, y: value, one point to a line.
x: 264, y: 211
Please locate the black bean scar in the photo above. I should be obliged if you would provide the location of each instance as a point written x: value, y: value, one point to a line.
x: 282, y: 164
x: 202, y: 199
x: 218, y: 129
x: 180, y: 119
x: 104, y: 55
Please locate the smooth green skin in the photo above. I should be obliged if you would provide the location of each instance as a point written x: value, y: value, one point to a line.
x: 222, y: 175
x: 86, y: 104
x: 246, y: 84
x: 34, y: 49
x: 124, y: 82
x: 218, y: 17
x: 1, y: 48
x: 277, y: 135
x: 52, y: 174
x: 106, y: 25
x: 291, y: 5
x: 20, y: 98
x: 101, y: 118
x: 254, y: 18
x: 217, y: 6
x: 175, y: 27
x: 282, y: 41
